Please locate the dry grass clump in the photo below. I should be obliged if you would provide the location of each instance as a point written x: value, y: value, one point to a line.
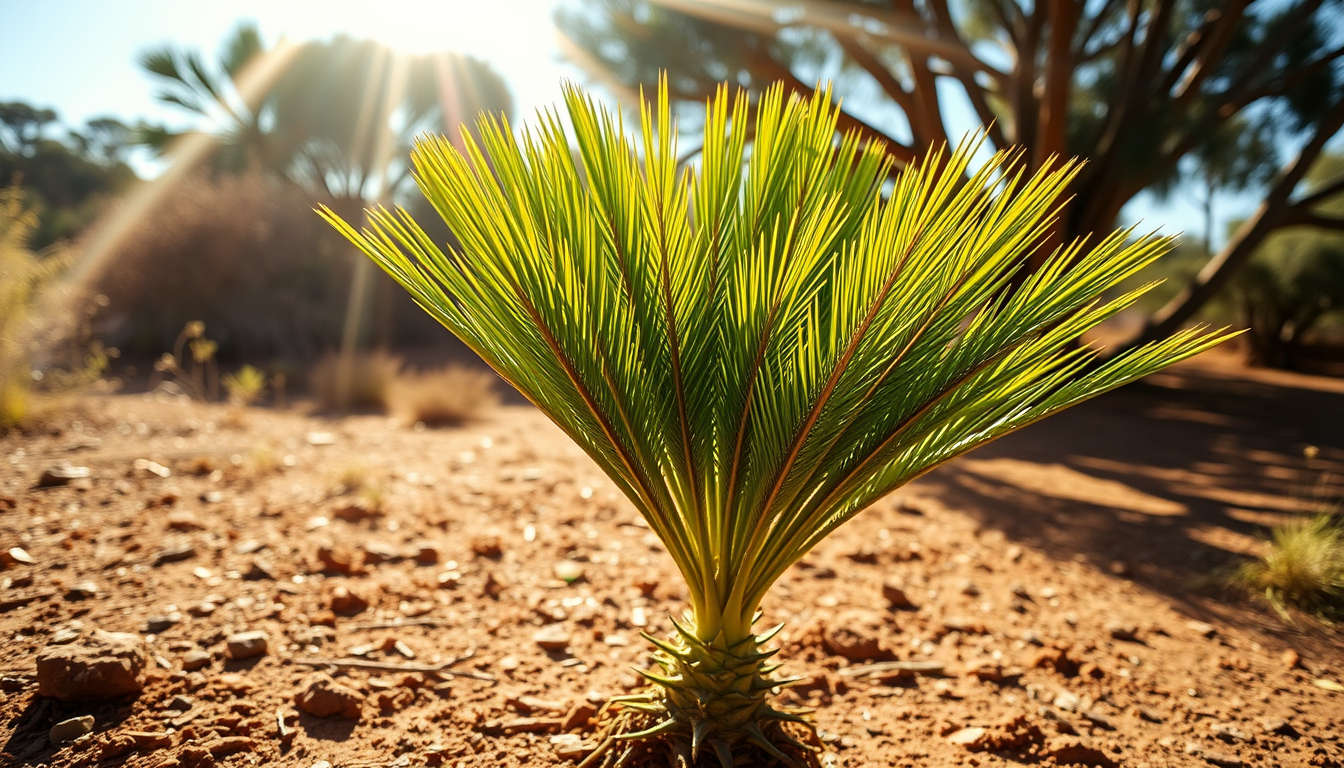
x: 444, y: 397
x: 365, y: 386
x: 1303, y: 568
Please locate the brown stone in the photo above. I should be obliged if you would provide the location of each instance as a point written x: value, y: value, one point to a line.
x: 102, y: 665
x: 321, y: 696
x: 854, y: 635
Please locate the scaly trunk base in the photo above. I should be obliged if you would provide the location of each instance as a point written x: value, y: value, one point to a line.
x: 712, y: 699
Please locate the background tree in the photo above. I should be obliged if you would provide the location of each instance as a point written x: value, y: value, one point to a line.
x: 337, y: 118
x: 1295, y: 281
x: 65, y: 180
x: 1134, y: 86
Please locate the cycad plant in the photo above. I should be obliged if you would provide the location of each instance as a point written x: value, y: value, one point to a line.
x: 757, y: 348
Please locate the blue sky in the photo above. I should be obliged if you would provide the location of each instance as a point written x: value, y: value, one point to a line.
x: 79, y: 56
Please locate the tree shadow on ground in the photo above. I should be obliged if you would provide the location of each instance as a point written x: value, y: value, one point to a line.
x: 1169, y: 482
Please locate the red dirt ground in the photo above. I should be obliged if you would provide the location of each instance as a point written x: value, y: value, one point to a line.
x: 1067, y: 579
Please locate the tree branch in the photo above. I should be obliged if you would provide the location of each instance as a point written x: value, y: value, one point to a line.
x: 1267, y: 217
x: 1321, y: 195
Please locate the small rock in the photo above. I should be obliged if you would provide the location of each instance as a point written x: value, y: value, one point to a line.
x: 487, y: 546
x: 157, y: 625
x: 181, y: 703
x: 260, y: 569
x: 104, y: 665
x: 1228, y: 732
x: 571, y: 746
x: 1150, y: 714
x: 988, y: 671
x: 1221, y: 759
x: 1291, y: 659
x: 231, y: 745
x: 196, y: 659
x: 578, y: 716
x: 1278, y: 726
x: 854, y: 635
x: 337, y: 559
x: 82, y: 590
x: 183, y: 520
x: 321, y: 438
x: 247, y: 547
x: 152, y: 468
x: 54, y: 477
x: 63, y: 636
x: 16, y: 556
x: 568, y: 571
x: 552, y: 638
x: 347, y: 601
x: 175, y: 553
x: 1201, y: 629
x: 531, y: 725
x: 203, y: 608
x: 1120, y: 631
x: 1069, y: 702
x: 245, y: 645
x: 321, y: 696
x: 69, y: 730
x: 1073, y: 751
x: 425, y: 553
x: 969, y: 588
x: 376, y: 552
x: 894, y: 593
x: 970, y: 738
x: 355, y: 511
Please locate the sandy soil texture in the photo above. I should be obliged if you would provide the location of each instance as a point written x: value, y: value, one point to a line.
x: 1053, y: 599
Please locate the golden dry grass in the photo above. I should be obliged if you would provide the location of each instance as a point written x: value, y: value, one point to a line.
x: 444, y: 397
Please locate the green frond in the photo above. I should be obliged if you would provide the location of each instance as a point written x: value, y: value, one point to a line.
x: 757, y: 348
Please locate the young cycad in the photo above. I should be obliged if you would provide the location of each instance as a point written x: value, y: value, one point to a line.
x: 757, y: 348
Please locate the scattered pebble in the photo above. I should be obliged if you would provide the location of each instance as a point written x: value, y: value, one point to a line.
x: 245, y: 645
x: 101, y: 665
x: 54, y: 477
x: 321, y: 696
x: 175, y: 553
x: 69, y: 730
x: 552, y: 638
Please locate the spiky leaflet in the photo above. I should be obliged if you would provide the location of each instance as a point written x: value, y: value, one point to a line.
x: 758, y: 347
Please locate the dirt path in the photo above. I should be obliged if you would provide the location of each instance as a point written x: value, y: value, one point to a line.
x: 1061, y: 578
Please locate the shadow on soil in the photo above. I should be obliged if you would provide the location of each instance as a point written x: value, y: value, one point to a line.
x: 1170, y: 481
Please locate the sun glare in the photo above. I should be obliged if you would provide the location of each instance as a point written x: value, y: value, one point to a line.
x: 482, y: 28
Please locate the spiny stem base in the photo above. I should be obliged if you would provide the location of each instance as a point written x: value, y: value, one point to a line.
x: 711, y: 700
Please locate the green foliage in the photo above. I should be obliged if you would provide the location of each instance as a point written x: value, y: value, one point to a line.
x: 66, y: 181
x: 1302, y: 568
x: 1295, y: 281
x: 245, y: 385
x: 757, y: 349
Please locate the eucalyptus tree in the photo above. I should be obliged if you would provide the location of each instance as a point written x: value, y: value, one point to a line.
x: 1132, y: 86
x: 757, y: 348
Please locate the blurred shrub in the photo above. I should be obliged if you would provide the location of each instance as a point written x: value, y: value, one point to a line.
x: 23, y: 274
x: 1303, y: 567
x: 1293, y: 284
x: 366, y: 386
x: 32, y: 389
x: 245, y: 255
x: 245, y: 385
x: 444, y: 397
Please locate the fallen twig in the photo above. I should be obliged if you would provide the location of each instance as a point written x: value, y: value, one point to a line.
x: 425, y: 622
x: 916, y: 667
x: 441, y: 669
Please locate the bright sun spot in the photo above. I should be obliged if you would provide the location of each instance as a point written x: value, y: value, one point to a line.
x: 489, y: 29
